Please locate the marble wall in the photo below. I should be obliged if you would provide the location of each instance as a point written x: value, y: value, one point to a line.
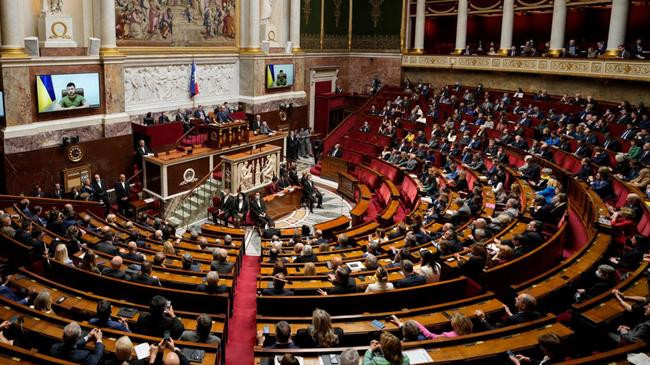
x: 18, y: 95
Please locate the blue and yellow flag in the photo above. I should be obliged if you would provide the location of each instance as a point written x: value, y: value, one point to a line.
x: 45, y: 92
x: 270, y: 76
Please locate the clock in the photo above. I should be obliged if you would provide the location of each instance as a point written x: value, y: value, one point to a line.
x: 75, y: 153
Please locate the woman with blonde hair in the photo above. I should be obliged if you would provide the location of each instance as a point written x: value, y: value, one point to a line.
x: 320, y: 333
x: 415, y: 331
x: 43, y: 301
x: 309, y: 269
x: 61, y: 254
x: 123, y: 350
x: 386, y: 351
x: 382, y: 283
x: 168, y: 248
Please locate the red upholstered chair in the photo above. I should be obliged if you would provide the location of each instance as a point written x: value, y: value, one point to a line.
x: 214, y: 209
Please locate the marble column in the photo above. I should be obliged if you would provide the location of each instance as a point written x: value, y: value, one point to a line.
x: 254, y: 26
x: 558, y: 28
x: 418, y: 47
x: 461, y: 26
x: 617, y: 25
x: 294, y: 26
x: 13, y: 31
x: 107, y: 16
x: 507, y: 22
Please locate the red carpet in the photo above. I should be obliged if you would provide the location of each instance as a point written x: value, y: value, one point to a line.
x: 241, y: 326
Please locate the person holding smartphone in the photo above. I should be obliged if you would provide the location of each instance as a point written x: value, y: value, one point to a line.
x: 159, y: 319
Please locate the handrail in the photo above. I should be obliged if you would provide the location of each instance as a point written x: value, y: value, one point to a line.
x: 134, y: 175
x: 198, y: 183
x: 185, y: 134
x: 370, y: 99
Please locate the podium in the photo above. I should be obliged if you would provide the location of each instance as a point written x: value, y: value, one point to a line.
x: 251, y: 170
x: 227, y: 134
x: 331, y: 166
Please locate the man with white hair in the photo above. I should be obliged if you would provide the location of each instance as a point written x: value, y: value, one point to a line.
x: 73, y: 346
x: 349, y: 357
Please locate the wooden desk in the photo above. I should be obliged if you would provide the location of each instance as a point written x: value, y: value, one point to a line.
x: 226, y: 134
x: 280, y: 204
x: 331, y: 166
x: 333, y: 225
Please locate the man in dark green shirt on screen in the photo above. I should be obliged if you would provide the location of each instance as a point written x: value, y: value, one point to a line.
x: 72, y: 99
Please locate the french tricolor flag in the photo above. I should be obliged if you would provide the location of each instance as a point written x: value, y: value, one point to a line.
x: 194, y: 85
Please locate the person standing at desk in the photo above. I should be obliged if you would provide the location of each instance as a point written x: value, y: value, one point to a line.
x: 163, y: 118
x: 292, y: 146
x: 99, y: 186
x: 122, y: 192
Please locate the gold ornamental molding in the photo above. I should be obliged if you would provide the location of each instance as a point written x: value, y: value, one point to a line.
x: 601, y: 68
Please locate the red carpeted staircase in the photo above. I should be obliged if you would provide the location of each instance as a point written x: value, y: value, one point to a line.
x: 241, y: 326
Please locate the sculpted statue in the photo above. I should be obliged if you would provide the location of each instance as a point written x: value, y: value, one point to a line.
x: 245, y: 176
x: 55, y: 6
x: 269, y: 169
x: 266, y: 7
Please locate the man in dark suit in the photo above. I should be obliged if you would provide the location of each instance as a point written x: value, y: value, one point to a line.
x: 145, y: 275
x: 58, y: 192
x: 122, y: 192
x: 610, y: 143
x: 142, y: 149
x: 211, y: 285
x: 159, y: 319
x: 200, y: 113
x: 526, y: 311
x: 410, y: 277
x: 163, y: 118
x: 645, y: 154
x: 227, y: 205
x: 99, y: 186
x: 115, y: 269
x: 132, y: 253
x: 106, y: 245
x: 310, y: 193
x: 258, y: 209
x: 293, y: 145
x: 220, y: 262
x: 337, y: 151
x: 278, y: 287
x: 73, y: 346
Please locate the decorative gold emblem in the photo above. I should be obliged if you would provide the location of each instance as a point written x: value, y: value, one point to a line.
x: 75, y: 153
x: 283, y: 115
x: 59, y: 30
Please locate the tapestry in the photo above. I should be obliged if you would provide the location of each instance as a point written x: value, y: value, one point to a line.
x: 178, y: 23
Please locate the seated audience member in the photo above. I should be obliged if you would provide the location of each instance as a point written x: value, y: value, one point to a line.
x: 526, y: 306
x: 211, y: 285
x: 132, y: 253
x: 258, y: 210
x: 640, y: 332
x: 336, y: 151
x: 61, y: 254
x: 551, y: 346
x: 43, y: 302
x: 604, y: 281
x: 382, y: 283
x: 320, y: 333
x: 349, y: 356
x: 306, y: 255
x: 632, y: 202
x: 144, y: 277
x: 122, y: 354
x: 163, y: 118
x: 159, y: 319
x: 278, y: 287
x: 220, y: 262
x: 103, y: 318
x: 202, y: 332
x: 343, y: 282
x: 388, y: 350
x: 115, y: 269
x: 415, y: 331
x: 282, y: 337
x: 411, y: 278
x: 166, y: 353
x: 73, y: 346
x: 474, y: 265
x: 89, y: 262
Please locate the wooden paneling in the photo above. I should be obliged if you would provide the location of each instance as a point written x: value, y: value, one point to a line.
x: 296, y: 118
x: 108, y: 157
x: 175, y: 174
x: 153, y: 181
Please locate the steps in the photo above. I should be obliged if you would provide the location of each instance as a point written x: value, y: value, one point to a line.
x: 194, y: 208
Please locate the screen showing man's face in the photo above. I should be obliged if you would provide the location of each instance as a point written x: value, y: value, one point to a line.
x: 71, y: 91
